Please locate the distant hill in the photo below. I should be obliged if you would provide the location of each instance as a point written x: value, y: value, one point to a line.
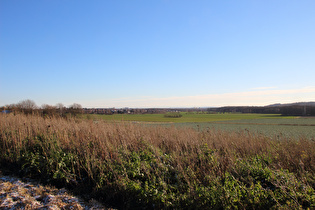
x: 294, y: 109
x: 293, y: 104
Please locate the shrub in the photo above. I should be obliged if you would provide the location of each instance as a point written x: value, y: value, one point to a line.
x: 173, y: 115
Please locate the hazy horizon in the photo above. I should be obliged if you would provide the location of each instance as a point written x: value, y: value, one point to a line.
x: 159, y: 54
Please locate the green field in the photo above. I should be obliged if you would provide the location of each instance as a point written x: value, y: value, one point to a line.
x: 275, y: 128
x: 271, y: 125
x: 187, y: 117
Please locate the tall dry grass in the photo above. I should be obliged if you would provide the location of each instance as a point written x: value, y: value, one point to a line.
x: 121, y: 159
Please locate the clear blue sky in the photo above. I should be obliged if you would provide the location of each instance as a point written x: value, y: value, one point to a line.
x: 159, y: 53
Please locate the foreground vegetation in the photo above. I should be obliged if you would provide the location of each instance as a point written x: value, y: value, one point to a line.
x: 132, y: 166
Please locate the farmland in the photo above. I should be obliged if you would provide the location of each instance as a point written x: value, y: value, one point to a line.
x: 270, y: 125
x: 186, y: 117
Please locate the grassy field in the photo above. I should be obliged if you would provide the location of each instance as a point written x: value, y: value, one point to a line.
x: 187, y: 117
x: 135, y: 166
x: 271, y: 127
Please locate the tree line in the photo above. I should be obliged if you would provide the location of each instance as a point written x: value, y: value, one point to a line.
x: 298, y: 110
x: 288, y: 110
x: 29, y: 107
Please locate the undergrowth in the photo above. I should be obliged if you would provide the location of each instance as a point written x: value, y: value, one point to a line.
x: 130, y: 166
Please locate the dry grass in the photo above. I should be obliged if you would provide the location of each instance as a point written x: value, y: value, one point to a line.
x: 103, y: 153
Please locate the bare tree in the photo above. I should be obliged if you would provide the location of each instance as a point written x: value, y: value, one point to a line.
x: 48, y: 110
x: 61, y: 109
x: 60, y: 106
x: 75, y: 109
x: 27, y: 106
x: 75, y: 106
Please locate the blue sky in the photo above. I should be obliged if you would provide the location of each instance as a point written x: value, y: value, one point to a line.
x: 161, y: 53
